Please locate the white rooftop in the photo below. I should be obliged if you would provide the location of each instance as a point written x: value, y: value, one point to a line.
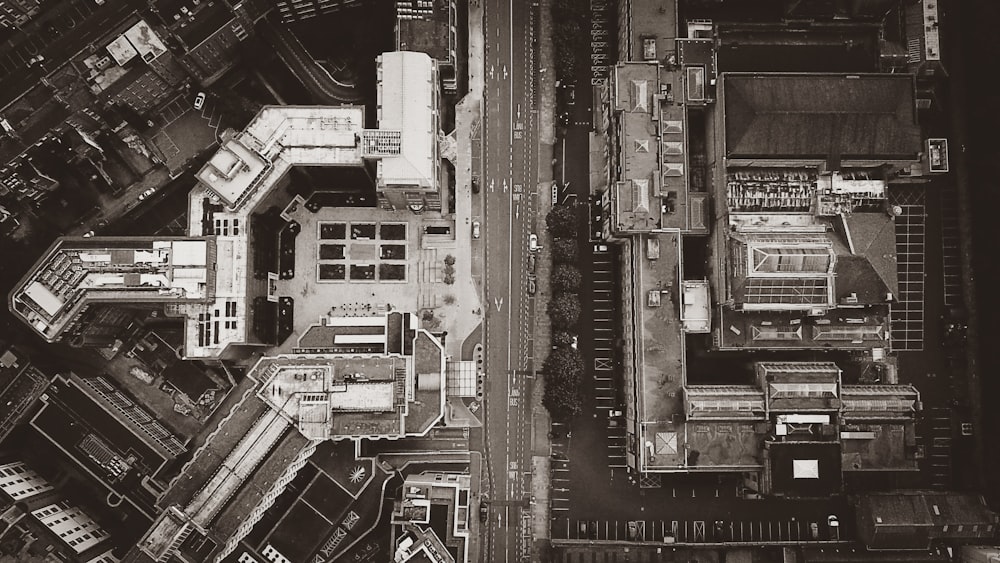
x: 406, y: 103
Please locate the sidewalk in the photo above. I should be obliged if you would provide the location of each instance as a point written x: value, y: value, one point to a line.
x: 540, y: 445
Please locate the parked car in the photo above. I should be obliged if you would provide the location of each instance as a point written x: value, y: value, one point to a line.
x: 633, y: 530
x: 532, y: 286
x: 199, y: 100
x: 475, y: 229
x: 147, y: 193
x: 615, y: 413
x: 484, y: 508
x: 475, y: 185
x: 598, y: 248
x: 814, y: 530
x: 531, y: 263
x: 593, y: 529
x: 834, y: 524
x: 720, y: 528
x: 575, y: 342
x: 533, y: 242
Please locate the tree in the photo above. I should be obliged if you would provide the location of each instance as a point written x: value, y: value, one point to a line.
x: 561, y: 338
x: 562, y: 401
x: 564, y: 310
x: 566, y: 278
x: 564, y: 251
x: 564, y: 364
x: 563, y: 371
x: 560, y: 222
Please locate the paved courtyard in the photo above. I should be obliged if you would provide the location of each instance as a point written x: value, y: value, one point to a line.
x: 364, y: 261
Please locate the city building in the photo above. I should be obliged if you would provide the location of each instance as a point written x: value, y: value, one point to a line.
x: 209, y: 36
x: 232, y: 305
x: 431, y: 521
x: 405, y: 145
x: 41, y: 508
x: 647, y: 30
x: 907, y: 519
x: 21, y: 385
x: 432, y: 28
x: 16, y: 13
x: 377, y: 378
x: 295, y: 10
x: 135, y: 69
x: 807, y: 255
x: 979, y: 553
x: 100, y: 430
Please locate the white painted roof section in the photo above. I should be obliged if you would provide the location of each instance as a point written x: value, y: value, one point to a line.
x: 406, y: 104
x: 278, y: 138
x: 45, y: 298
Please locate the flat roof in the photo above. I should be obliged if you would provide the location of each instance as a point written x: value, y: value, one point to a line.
x: 721, y: 444
x: 820, y: 116
x: 77, y: 271
x: 804, y: 469
x: 407, y: 104
x: 651, y: 20
x: 659, y: 346
x: 878, y: 446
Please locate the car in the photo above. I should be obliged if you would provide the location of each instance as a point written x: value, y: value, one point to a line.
x: 199, y: 100
x: 475, y: 185
x: 533, y: 242
x: 593, y: 529
x: 719, y: 529
x: 598, y: 248
x: 475, y: 229
x: 633, y: 530
x: 484, y: 509
x: 814, y: 530
x: 532, y: 287
x: 147, y: 193
x: 575, y: 342
x: 88, y: 234
x: 531, y: 263
x: 582, y: 529
x: 834, y: 524
x: 614, y: 413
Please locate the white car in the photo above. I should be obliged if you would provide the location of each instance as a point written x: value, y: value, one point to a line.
x: 199, y: 100
x: 575, y: 342
x: 834, y: 524
x: 475, y: 229
x: 147, y: 193
x: 533, y: 242
x: 598, y: 248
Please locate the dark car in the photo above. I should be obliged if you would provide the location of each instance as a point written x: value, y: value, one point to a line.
x: 484, y: 509
x: 475, y: 185
x: 531, y: 263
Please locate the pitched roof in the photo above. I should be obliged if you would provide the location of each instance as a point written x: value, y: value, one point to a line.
x: 820, y: 116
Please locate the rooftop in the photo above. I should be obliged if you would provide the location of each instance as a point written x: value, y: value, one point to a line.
x: 76, y: 272
x: 804, y: 469
x: 826, y: 117
x: 407, y: 104
x: 653, y: 30
x: 659, y: 346
x: 863, y: 329
x: 878, y: 446
x: 652, y: 191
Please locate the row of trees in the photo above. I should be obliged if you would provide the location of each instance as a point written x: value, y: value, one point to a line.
x: 569, y: 36
x: 564, y: 367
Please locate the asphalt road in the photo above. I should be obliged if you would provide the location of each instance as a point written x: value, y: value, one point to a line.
x: 508, y: 186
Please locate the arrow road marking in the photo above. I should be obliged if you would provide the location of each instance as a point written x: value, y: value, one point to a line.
x: 498, y: 301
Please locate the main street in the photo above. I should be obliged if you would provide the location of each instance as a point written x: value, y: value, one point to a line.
x: 508, y: 186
